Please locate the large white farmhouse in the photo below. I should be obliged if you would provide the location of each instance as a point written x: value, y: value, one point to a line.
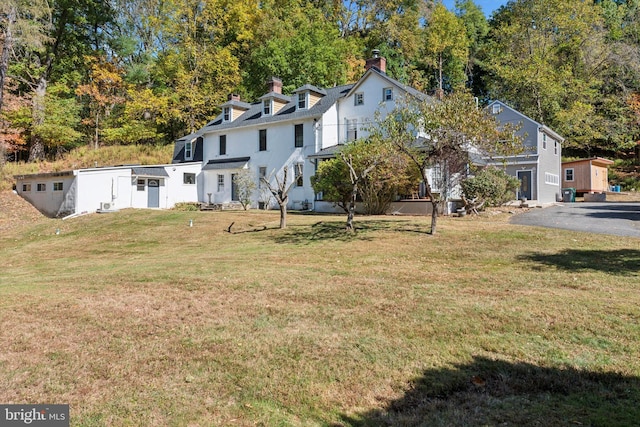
x: 275, y: 132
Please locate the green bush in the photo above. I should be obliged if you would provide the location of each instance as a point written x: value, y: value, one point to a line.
x: 491, y: 185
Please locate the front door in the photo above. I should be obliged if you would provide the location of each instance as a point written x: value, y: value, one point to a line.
x: 153, y: 195
x: 234, y: 188
x: 525, y: 185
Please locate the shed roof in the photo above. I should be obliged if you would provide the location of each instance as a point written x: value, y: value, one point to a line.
x: 151, y: 172
x: 233, y: 163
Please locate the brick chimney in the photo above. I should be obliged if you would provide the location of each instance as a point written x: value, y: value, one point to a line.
x: 274, y: 85
x: 233, y: 97
x: 378, y: 62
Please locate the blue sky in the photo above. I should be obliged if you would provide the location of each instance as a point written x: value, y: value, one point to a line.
x: 487, y: 6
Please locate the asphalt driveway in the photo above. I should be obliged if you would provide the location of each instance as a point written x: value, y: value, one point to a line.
x: 616, y: 218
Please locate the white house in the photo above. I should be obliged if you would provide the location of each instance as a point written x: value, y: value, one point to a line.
x: 110, y: 188
x: 279, y: 131
x: 539, y: 167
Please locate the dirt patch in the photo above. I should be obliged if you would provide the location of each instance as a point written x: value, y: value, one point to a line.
x: 16, y: 212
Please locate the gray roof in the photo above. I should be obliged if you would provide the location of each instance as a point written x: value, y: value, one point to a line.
x: 276, y: 95
x: 254, y: 115
x: 327, y: 153
x: 154, y: 172
x: 311, y: 88
x: 238, y: 104
x: 232, y: 163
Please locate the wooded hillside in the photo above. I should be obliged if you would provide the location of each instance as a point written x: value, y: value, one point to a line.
x: 122, y: 72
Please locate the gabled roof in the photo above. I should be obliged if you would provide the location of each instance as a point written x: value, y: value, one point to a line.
x: 598, y: 161
x: 237, y: 104
x: 254, y: 115
x: 311, y: 88
x: 277, y: 96
x: 393, y: 82
x: 543, y: 128
x: 178, y: 149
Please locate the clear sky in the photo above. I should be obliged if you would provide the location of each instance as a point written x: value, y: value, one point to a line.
x: 487, y: 6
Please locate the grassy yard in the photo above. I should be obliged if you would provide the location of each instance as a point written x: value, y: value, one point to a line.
x: 135, y: 318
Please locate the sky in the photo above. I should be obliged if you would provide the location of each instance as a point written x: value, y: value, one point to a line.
x: 487, y: 6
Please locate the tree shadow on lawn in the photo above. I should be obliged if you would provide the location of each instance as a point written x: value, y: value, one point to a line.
x: 620, y: 262
x: 336, y: 230
x: 487, y: 392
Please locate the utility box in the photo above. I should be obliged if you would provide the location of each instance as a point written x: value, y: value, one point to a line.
x: 568, y: 195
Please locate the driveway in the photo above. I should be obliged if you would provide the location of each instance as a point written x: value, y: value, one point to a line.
x: 616, y: 218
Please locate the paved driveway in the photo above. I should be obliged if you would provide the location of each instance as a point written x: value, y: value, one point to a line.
x: 617, y: 218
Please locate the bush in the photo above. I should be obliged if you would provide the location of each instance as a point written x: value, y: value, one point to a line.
x: 491, y: 185
x: 187, y: 206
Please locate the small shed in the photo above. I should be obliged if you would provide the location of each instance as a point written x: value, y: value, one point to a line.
x: 586, y: 175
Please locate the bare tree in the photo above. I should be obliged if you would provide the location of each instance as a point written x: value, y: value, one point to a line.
x: 355, y: 178
x: 280, y: 192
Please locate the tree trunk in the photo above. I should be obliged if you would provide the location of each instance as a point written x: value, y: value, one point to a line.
x: 283, y: 215
x: 36, y: 152
x: 434, y: 202
x: 352, y: 208
x: 6, y: 49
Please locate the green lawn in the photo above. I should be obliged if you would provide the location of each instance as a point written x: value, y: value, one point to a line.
x: 135, y: 318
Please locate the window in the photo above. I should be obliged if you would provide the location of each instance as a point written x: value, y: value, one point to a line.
x: 359, y: 98
x: 189, y: 178
x: 299, y: 138
x: 41, y: 187
x: 140, y: 185
x: 266, y: 107
x: 555, y: 147
x: 220, y: 183
x: 568, y: 174
x: 299, y: 176
x: 262, y: 173
x: 302, y: 101
x: 226, y: 114
x: 188, y: 150
x: 262, y: 140
x: 544, y: 141
x: 26, y: 187
x: 352, y: 129
x: 496, y: 109
x: 387, y: 94
x: 57, y: 186
x: 223, y: 145
x: 551, y: 178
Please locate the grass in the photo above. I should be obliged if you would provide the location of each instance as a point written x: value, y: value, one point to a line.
x: 135, y: 318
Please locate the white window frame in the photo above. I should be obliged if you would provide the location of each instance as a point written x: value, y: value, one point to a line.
x: 186, y: 181
x: 58, y: 186
x: 544, y: 141
x: 26, y: 187
x: 262, y: 173
x: 226, y: 114
x: 298, y: 171
x: 41, y: 187
x: 188, y: 150
x: 387, y: 94
x: 352, y: 129
x: 140, y: 184
x: 302, y: 101
x: 220, y: 183
x: 551, y: 178
x: 555, y: 147
x: 358, y: 98
x: 496, y: 108
x: 266, y: 107
x: 566, y: 174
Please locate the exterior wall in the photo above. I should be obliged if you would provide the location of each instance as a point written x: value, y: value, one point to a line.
x: 46, y: 201
x: 108, y: 185
x: 549, y: 170
x: 280, y: 151
x: 372, y: 89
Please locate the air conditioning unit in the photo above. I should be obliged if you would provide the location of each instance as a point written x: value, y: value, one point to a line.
x: 106, y: 206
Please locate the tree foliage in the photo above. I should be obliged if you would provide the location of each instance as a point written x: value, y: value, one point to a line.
x: 490, y: 185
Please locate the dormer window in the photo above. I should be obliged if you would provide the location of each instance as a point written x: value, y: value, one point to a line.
x: 359, y: 98
x: 387, y: 94
x: 188, y: 150
x: 302, y: 101
x: 226, y: 114
x: 266, y: 107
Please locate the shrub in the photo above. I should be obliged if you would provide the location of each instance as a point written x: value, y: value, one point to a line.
x: 187, y: 206
x: 491, y: 185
